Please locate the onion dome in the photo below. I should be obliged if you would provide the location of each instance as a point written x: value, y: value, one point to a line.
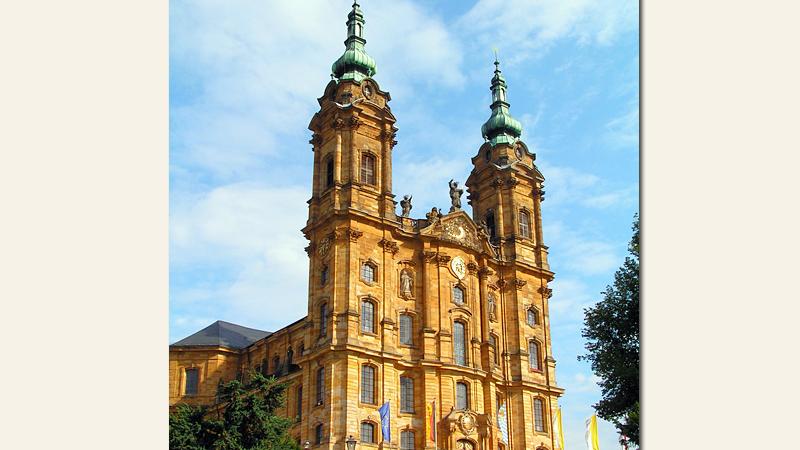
x: 355, y: 63
x: 501, y: 128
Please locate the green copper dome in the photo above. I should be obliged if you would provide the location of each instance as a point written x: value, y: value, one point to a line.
x: 355, y: 63
x: 501, y: 126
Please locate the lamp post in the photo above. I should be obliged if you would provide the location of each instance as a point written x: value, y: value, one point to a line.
x: 351, y: 443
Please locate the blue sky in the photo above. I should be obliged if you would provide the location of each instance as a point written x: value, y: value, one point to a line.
x: 244, y: 79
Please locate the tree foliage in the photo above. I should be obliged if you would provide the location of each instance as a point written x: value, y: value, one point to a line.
x: 611, y: 329
x: 246, y: 420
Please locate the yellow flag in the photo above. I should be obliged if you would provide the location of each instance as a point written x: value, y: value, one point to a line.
x: 428, y: 415
x: 558, y: 430
x: 592, y: 441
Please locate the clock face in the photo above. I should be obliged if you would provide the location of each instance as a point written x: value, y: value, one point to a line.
x: 458, y: 267
x: 520, y: 152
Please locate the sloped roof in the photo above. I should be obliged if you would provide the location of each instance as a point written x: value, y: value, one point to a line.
x: 223, y: 334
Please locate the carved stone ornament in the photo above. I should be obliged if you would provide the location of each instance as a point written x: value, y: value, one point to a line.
x: 467, y: 423
x: 405, y: 204
x: 458, y: 267
x: 389, y: 246
x: 324, y: 246
x: 442, y: 259
x: 316, y: 140
x: 455, y: 196
x: 464, y: 445
x: 354, y: 122
x: 472, y: 267
x: 367, y: 90
x: 520, y: 283
x: 459, y: 230
x: 546, y: 292
x: 350, y: 233
x: 484, y: 272
x: 542, y: 447
x: 429, y: 256
x: 337, y: 124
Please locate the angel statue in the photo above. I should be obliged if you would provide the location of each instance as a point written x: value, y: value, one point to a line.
x: 405, y: 203
x: 455, y: 196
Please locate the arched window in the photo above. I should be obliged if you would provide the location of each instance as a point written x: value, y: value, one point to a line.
x: 320, y: 385
x: 532, y: 317
x: 329, y: 173
x: 490, y: 224
x: 462, y: 396
x: 367, y: 384
x: 533, y: 355
x: 538, y: 415
x: 323, y: 276
x: 318, y: 434
x: 368, y: 272
x: 406, y: 327
x: 406, y: 440
x: 367, y: 316
x: 368, y: 169
x: 299, y: 404
x: 525, y: 224
x: 407, y: 394
x: 458, y: 295
x: 323, y: 319
x: 367, y: 432
x: 460, y: 343
x: 493, y: 345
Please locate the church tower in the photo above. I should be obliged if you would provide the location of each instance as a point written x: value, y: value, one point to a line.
x: 442, y: 319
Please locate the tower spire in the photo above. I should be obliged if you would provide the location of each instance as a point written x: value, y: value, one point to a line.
x: 501, y: 126
x: 355, y: 63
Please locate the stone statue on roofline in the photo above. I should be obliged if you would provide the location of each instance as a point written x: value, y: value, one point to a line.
x: 455, y: 196
x: 405, y: 204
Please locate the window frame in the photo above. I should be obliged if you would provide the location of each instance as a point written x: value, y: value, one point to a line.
x: 373, y: 397
x: 534, y: 343
x: 404, y: 435
x: 536, y: 317
x: 461, y: 288
x: 536, y: 424
x: 367, y: 175
x: 372, y: 426
x: 407, y: 394
x: 196, y: 372
x: 409, y: 329
x: 323, y: 319
x: 524, y: 226
x: 319, y: 386
x: 374, y: 271
x: 464, y: 344
x: 318, y: 433
x: 372, y: 317
x: 466, y: 396
x: 330, y: 172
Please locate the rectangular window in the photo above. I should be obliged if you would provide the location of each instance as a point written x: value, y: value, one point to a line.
x: 299, y: 405
x: 524, y: 224
x: 406, y: 394
x: 406, y: 326
x: 462, y: 397
x: 368, y: 384
x: 367, y: 316
x: 459, y: 344
x: 538, y: 415
x: 318, y: 434
x: 533, y: 355
x: 368, y: 272
x: 329, y: 173
x: 493, y: 345
x: 320, y: 384
x: 406, y: 440
x: 458, y: 295
x: 368, y: 169
x: 192, y: 376
x: 323, y: 319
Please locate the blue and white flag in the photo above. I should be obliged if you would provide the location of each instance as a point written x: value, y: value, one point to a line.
x: 386, y: 427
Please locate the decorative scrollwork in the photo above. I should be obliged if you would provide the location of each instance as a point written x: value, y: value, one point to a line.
x: 389, y: 246
x: 520, y: 283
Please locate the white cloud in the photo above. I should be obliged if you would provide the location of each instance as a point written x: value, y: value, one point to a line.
x: 566, y: 186
x: 530, y: 26
x: 583, y: 383
x: 580, y: 251
x: 623, y: 131
x: 240, y: 228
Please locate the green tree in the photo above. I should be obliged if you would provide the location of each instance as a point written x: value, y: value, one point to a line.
x: 611, y: 329
x: 246, y: 420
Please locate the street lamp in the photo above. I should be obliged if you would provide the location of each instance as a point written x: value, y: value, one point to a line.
x: 351, y: 443
x: 307, y: 444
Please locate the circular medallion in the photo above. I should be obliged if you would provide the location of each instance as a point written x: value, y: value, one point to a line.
x: 324, y: 246
x: 467, y: 423
x: 458, y: 267
x: 367, y: 90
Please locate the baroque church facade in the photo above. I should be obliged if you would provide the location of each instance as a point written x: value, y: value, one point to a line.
x: 444, y: 317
